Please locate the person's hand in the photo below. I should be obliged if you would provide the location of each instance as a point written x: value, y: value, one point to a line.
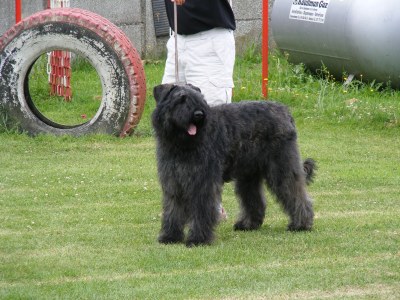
x: 178, y: 2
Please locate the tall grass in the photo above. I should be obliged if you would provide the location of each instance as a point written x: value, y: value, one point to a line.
x: 320, y: 96
x: 311, y: 96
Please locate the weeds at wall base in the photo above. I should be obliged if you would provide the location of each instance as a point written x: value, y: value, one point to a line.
x: 7, y: 124
x: 320, y: 95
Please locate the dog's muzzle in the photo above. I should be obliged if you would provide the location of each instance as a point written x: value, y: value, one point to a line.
x: 198, y: 116
x: 197, y: 119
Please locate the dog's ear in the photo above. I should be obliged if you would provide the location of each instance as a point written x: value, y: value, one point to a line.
x: 194, y: 87
x: 161, y: 91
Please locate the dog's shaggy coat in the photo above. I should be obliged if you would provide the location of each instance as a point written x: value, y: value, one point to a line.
x: 201, y: 147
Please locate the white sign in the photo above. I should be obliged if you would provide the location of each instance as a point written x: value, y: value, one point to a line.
x: 309, y: 10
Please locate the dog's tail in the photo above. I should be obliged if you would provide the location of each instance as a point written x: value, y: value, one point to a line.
x: 309, y: 166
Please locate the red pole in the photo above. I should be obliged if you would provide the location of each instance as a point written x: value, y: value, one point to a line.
x: 265, y: 49
x: 18, y: 11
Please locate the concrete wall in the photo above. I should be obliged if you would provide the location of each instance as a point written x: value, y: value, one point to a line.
x: 6, y: 8
x: 130, y: 16
x: 7, y: 11
x: 135, y: 18
x: 248, y: 15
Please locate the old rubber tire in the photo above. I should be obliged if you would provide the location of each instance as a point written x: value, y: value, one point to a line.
x: 89, y: 35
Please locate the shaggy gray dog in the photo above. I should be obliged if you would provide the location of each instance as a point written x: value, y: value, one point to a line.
x: 201, y: 147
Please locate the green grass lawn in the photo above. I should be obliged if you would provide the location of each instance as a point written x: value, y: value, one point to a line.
x: 79, y: 217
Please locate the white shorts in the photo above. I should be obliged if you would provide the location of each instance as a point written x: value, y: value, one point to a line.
x: 206, y: 60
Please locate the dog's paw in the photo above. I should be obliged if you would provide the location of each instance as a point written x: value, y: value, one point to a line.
x: 165, y: 239
x: 296, y: 227
x: 194, y: 243
x: 246, y: 225
x: 199, y: 239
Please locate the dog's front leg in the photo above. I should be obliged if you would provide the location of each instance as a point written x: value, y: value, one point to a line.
x: 204, y: 215
x: 173, y: 221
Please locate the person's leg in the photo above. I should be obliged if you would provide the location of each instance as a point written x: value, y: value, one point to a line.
x: 209, y: 60
x: 169, y: 71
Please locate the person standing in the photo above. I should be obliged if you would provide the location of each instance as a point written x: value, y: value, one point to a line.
x: 206, y: 47
x: 206, y: 50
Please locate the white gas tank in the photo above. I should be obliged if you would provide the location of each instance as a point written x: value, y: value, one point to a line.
x: 360, y: 37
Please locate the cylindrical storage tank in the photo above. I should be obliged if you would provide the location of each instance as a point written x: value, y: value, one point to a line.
x: 360, y: 37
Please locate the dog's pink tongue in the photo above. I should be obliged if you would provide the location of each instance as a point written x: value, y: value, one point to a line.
x: 192, y: 130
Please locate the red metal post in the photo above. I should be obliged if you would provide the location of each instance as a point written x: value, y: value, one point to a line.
x: 60, y: 68
x: 264, y: 46
x: 18, y: 11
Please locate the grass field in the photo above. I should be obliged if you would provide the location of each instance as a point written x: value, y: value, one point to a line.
x: 79, y: 217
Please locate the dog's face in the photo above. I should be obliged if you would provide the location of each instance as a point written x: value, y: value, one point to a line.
x: 181, y: 111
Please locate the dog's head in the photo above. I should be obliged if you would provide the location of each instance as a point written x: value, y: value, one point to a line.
x: 181, y: 111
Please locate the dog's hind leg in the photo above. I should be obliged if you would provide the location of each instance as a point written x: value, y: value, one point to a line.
x: 298, y: 206
x: 252, y: 203
x: 287, y: 179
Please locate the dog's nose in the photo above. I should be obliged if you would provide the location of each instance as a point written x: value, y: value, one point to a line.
x: 198, y: 115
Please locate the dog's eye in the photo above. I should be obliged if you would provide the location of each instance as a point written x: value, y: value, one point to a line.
x: 182, y: 99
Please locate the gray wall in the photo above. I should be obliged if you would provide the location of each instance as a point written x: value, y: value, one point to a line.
x: 135, y: 18
x: 7, y: 11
